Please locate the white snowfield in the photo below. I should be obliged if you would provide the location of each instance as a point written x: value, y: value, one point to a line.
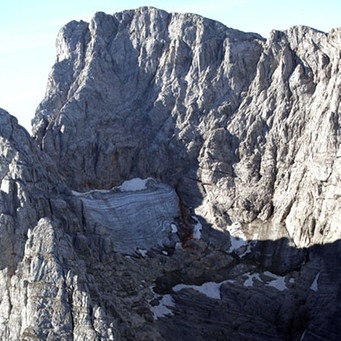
x: 139, y: 214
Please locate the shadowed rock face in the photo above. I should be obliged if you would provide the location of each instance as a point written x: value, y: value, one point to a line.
x: 238, y: 236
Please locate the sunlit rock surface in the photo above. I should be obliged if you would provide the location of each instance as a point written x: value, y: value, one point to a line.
x: 183, y: 182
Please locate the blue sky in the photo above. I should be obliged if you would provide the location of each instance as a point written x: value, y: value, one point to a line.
x: 28, y: 29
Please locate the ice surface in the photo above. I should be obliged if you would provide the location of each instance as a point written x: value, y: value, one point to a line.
x: 139, y: 217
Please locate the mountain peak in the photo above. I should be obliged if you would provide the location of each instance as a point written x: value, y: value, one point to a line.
x: 175, y: 160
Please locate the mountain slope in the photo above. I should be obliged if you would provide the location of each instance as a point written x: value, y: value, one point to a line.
x: 183, y: 182
x: 232, y: 120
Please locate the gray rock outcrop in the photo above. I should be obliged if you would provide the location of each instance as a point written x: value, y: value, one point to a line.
x: 182, y: 182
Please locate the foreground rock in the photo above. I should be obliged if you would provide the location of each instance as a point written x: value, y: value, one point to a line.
x: 229, y: 224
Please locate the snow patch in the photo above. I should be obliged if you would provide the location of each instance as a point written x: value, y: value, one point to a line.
x: 174, y: 228
x: 163, y: 308
x: 210, y: 289
x: 93, y: 191
x: 5, y: 186
x: 132, y: 185
x: 142, y: 252
x: 278, y: 282
x: 197, y: 229
x: 178, y: 246
x: 314, y: 285
x: 251, y: 278
x: 239, y: 244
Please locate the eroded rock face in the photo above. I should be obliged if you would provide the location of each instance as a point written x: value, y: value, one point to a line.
x: 141, y: 81
x: 232, y: 120
x: 237, y: 139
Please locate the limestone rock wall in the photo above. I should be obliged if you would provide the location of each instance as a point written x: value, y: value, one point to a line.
x: 246, y: 129
x: 238, y: 235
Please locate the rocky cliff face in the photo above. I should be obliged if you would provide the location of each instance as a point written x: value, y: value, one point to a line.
x: 235, y: 233
x: 233, y: 120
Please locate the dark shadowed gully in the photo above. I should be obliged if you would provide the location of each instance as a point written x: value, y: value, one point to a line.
x: 182, y: 183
